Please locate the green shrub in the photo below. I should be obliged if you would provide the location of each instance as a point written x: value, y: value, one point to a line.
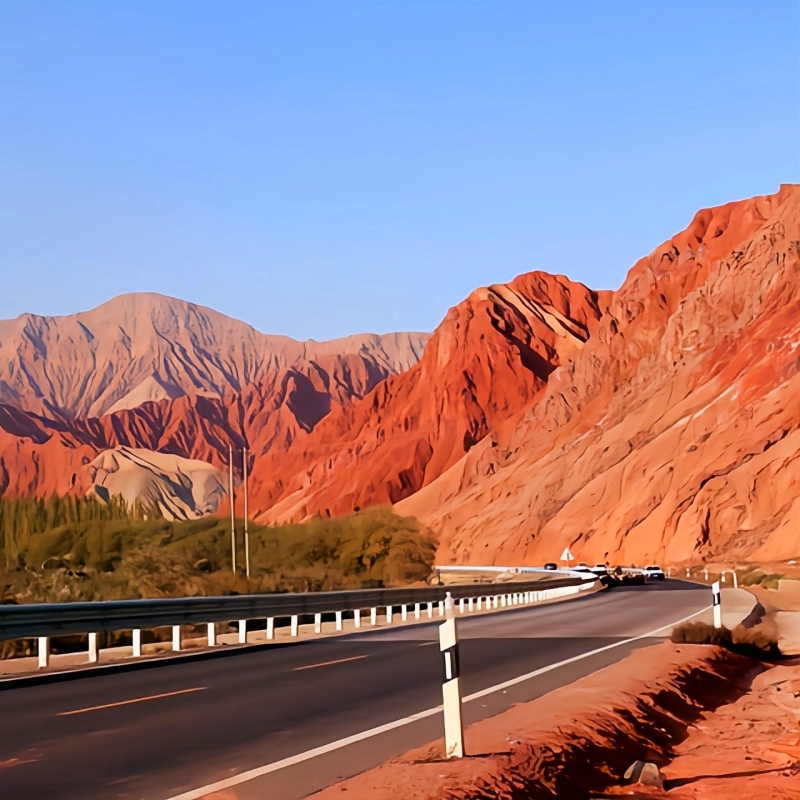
x: 91, y: 552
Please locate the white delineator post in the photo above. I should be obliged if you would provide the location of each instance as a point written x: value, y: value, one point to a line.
x: 43, y: 651
x: 94, y: 652
x: 242, y: 631
x: 136, y: 640
x: 270, y: 627
x: 735, y: 580
x: 715, y: 591
x: 212, y: 634
x: 176, y: 637
x: 451, y: 689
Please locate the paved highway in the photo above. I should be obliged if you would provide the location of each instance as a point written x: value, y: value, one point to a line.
x: 156, y: 733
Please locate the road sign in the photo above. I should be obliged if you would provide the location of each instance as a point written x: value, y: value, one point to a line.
x: 567, y: 556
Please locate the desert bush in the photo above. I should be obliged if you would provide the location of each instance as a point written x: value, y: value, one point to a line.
x: 750, y: 642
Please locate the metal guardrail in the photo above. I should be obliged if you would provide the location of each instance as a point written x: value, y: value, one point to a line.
x: 59, y: 619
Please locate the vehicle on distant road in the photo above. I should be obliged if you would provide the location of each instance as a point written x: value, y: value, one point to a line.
x: 599, y: 569
x: 654, y: 573
x: 551, y: 565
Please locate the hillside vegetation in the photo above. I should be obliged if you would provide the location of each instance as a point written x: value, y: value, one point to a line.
x: 76, y: 549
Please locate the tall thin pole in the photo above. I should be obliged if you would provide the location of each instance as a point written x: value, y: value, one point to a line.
x: 246, y: 535
x: 233, y: 523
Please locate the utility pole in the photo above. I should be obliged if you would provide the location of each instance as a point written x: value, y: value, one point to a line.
x: 233, y: 523
x: 246, y: 535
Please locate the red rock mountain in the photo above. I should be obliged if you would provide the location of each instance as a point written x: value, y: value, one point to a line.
x: 227, y: 384
x: 674, y: 434
x: 657, y: 422
x: 490, y: 357
x: 141, y: 347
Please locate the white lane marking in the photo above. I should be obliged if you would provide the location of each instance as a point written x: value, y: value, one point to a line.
x: 328, y: 663
x: 129, y: 702
x: 249, y: 775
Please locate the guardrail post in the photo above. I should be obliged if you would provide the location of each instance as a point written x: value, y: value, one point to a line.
x: 735, y: 580
x: 722, y: 577
x: 416, y: 610
x: 470, y: 604
x: 338, y: 620
x: 93, y: 651
x: 502, y: 601
x: 294, y: 624
x: 430, y: 610
x: 451, y: 689
x: 461, y: 605
x: 270, y: 628
x: 373, y: 616
x: 176, y: 637
x: 357, y: 618
x: 212, y: 634
x: 389, y: 615
x: 43, y: 651
x: 441, y: 608
x: 136, y: 636
x: 715, y: 591
x: 705, y: 574
x: 687, y: 572
x: 317, y: 623
x: 404, y: 612
x: 242, y: 631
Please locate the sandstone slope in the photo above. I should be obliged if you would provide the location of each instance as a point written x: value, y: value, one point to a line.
x: 181, y: 488
x: 490, y: 357
x: 142, y: 347
x: 46, y: 454
x: 674, y: 434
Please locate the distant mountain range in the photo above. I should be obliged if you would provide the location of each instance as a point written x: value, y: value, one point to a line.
x: 659, y: 421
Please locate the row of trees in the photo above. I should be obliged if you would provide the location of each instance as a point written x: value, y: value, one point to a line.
x: 23, y: 517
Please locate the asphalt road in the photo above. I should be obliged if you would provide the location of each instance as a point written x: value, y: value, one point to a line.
x: 155, y: 733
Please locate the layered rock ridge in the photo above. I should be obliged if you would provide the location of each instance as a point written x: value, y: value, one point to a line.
x: 673, y: 434
x: 490, y: 357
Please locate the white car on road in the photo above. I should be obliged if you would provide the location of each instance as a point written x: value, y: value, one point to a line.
x: 654, y: 573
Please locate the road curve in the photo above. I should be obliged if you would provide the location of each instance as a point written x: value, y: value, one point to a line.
x: 157, y: 733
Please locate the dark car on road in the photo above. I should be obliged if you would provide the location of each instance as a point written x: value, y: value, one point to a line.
x: 551, y: 565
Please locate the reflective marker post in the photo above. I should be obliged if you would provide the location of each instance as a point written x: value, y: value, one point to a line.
x: 717, y: 604
x: 451, y: 689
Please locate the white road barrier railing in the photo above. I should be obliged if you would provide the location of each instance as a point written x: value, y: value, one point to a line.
x: 717, y: 595
x: 42, y: 621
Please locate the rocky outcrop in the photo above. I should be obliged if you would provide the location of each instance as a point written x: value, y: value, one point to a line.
x: 180, y: 488
x: 674, y: 434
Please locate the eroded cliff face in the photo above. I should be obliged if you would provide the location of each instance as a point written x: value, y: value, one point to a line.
x: 147, y: 347
x: 491, y: 357
x: 673, y: 434
x: 50, y: 451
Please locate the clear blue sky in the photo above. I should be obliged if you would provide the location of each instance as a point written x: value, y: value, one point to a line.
x: 323, y: 168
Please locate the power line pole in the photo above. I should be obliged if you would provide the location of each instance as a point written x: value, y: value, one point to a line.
x: 246, y: 535
x: 233, y: 523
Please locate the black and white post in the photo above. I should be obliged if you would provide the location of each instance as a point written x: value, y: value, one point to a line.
x: 451, y: 687
x: 715, y: 591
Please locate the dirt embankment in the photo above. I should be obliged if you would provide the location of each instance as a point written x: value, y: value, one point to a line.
x: 578, y: 740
